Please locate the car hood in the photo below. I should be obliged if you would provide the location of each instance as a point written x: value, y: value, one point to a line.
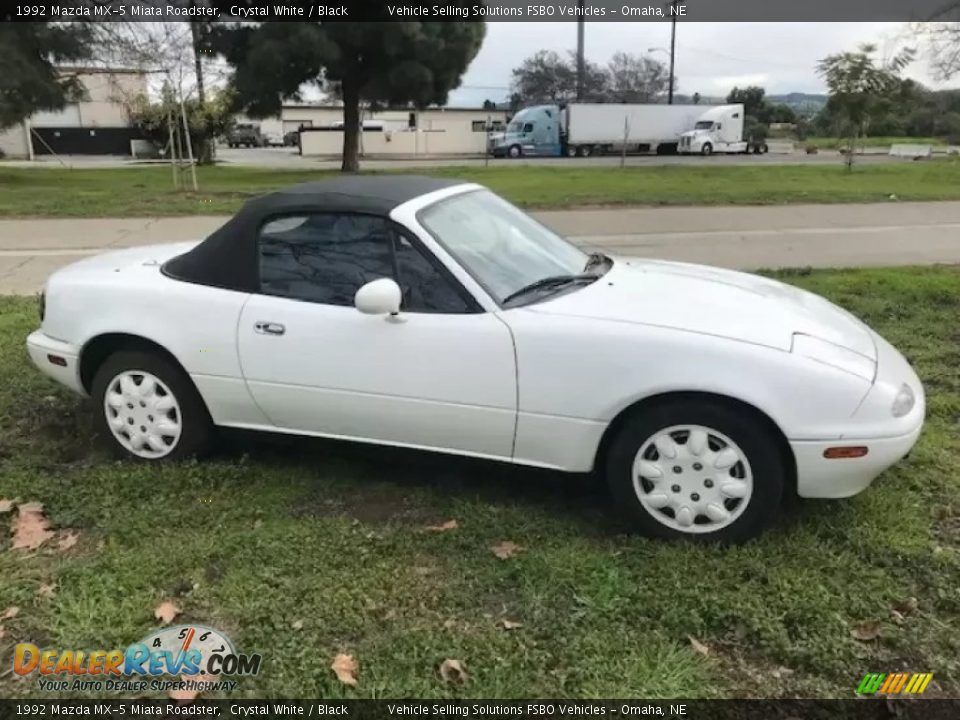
x: 712, y: 301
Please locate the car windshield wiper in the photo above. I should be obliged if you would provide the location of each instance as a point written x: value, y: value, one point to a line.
x: 551, y: 283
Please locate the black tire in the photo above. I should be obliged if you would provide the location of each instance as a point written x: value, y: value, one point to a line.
x: 707, y: 149
x: 196, y: 432
x: 515, y: 151
x: 572, y: 150
x: 755, y: 439
x: 584, y: 151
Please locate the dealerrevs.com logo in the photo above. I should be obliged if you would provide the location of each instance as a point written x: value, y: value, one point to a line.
x: 185, y: 657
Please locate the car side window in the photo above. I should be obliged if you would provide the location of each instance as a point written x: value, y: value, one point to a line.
x: 424, y: 287
x: 323, y: 257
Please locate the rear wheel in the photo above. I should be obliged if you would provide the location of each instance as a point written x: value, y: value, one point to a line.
x: 584, y: 151
x: 149, y: 409
x: 571, y: 150
x: 698, y: 469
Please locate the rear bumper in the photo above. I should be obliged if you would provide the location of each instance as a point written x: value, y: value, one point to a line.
x: 41, y: 348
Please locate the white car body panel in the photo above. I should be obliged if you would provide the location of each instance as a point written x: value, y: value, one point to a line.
x: 537, y: 385
x: 422, y: 379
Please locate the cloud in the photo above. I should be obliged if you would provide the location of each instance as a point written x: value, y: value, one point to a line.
x: 711, y: 57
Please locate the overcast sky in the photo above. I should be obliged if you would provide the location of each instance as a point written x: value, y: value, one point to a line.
x: 711, y: 57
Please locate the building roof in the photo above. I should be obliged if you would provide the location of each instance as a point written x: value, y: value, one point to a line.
x: 228, y: 257
x: 307, y: 106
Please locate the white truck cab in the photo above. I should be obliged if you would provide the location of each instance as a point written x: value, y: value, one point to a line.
x: 718, y: 130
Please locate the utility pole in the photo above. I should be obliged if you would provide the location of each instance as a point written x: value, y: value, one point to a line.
x: 581, y: 69
x: 673, y: 46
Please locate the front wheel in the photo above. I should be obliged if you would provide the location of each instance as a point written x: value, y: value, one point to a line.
x: 697, y: 469
x: 514, y: 151
x: 707, y: 149
x: 149, y: 409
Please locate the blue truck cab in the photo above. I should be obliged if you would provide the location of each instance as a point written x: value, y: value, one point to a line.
x: 532, y: 131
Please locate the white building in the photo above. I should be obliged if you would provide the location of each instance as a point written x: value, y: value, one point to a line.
x: 432, y: 131
x: 95, y: 122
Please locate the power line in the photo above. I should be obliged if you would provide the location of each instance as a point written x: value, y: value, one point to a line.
x: 752, y: 61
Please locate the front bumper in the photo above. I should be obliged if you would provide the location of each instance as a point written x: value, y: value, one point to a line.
x: 887, y: 438
x: 42, y: 348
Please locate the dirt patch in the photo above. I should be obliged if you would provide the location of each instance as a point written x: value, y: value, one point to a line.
x: 375, y: 504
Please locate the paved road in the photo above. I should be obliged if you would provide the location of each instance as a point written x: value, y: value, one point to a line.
x: 288, y: 159
x: 736, y: 237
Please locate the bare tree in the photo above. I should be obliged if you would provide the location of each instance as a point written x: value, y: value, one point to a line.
x: 172, y: 54
x: 636, y: 78
x: 941, y: 45
x: 549, y: 77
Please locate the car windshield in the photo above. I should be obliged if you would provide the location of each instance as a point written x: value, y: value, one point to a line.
x: 501, y: 247
x: 703, y: 125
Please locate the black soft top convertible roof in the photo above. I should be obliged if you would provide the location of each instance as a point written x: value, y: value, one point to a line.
x: 228, y: 257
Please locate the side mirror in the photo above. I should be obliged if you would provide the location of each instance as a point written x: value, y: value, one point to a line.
x: 378, y: 297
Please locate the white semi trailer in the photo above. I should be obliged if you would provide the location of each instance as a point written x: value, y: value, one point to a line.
x: 583, y: 129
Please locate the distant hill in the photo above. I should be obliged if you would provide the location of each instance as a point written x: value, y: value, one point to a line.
x: 801, y: 102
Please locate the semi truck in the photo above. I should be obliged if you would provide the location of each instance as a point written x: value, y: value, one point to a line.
x: 584, y: 129
x: 720, y: 129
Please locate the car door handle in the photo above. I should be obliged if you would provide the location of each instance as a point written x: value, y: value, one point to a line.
x: 269, y: 328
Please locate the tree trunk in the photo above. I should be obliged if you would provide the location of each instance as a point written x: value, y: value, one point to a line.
x: 197, y: 60
x: 205, y: 146
x: 351, y: 125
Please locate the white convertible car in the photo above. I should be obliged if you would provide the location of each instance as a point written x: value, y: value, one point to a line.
x: 432, y: 314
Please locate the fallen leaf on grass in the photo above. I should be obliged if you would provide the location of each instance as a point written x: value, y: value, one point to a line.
x: 5, y: 505
x: 297, y: 625
x: 452, y: 670
x: 166, y: 612
x: 510, y: 624
x: 46, y: 590
x: 345, y: 668
x: 506, y: 549
x: 68, y: 538
x: 30, y: 527
x: 897, y: 617
x: 10, y: 612
x: 907, y: 606
x: 865, y: 632
x: 443, y: 527
x: 698, y: 647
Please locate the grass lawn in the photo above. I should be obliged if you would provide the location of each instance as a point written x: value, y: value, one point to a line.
x: 48, y: 192
x: 303, y: 549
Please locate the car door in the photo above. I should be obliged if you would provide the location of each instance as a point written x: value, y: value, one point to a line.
x: 440, y: 374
